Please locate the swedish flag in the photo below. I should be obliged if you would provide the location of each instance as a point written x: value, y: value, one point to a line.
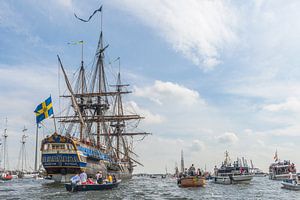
x: 44, y: 110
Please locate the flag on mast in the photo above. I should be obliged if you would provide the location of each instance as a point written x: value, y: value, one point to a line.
x: 276, y: 156
x: 44, y: 110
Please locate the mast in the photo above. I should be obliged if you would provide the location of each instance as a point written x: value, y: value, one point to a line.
x: 82, y: 83
x: 5, y: 153
x: 182, y: 162
x: 36, y: 148
x: 22, y: 155
x: 227, y: 159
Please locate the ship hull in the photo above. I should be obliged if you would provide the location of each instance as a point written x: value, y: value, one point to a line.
x: 281, y: 177
x: 235, y: 179
x: 290, y: 185
x: 192, y: 181
x: 62, y: 158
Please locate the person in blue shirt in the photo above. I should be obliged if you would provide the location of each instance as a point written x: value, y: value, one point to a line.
x: 75, y: 180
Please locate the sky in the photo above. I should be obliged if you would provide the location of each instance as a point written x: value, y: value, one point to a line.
x: 208, y: 76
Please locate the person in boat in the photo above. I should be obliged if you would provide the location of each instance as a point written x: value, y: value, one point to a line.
x: 192, y: 170
x: 290, y: 176
x: 241, y: 170
x: 185, y: 173
x: 114, y: 178
x: 90, y: 181
x: 109, y: 178
x: 215, y: 170
x: 199, y: 172
x: 75, y: 180
x: 83, y: 177
x: 99, y: 177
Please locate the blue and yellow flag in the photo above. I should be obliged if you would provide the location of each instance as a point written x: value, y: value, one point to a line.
x: 44, y: 110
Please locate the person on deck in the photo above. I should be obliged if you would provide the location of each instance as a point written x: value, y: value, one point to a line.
x: 83, y: 177
x: 99, y: 177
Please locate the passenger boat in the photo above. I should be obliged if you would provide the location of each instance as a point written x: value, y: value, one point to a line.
x: 290, y: 184
x: 191, y: 181
x: 88, y: 187
x: 232, y: 174
x: 280, y: 170
x: 95, y: 135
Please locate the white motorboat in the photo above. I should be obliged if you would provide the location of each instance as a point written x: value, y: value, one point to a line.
x: 232, y: 174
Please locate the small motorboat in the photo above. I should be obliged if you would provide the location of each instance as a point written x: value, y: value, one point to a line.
x: 290, y: 184
x: 191, y: 181
x: 87, y: 187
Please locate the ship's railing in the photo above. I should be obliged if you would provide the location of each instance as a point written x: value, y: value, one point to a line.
x: 233, y: 173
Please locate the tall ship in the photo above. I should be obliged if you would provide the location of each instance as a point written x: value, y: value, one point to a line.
x: 97, y: 131
x: 229, y: 173
x: 281, y: 170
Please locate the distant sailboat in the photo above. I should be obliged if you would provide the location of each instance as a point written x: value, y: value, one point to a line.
x: 22, y: 161
x: 5, y: 175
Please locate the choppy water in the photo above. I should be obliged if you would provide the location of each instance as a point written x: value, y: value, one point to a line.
x: 148, y: 188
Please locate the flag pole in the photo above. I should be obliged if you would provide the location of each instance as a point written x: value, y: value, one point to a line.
x: 54, y: 123
x: 36, y: 147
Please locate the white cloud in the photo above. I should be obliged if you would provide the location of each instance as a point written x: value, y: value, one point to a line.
x: 164, y: 93
x: 150, y: 118
x: 196, y: 146
x: 197, y: 29
x: 227, y: 138
x: 291, y: 104
x: 65, y: 3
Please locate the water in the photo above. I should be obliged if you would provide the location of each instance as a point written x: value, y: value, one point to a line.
x: 148, y: 188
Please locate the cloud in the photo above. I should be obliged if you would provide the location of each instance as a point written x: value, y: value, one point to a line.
x: 291, y: 104
x: 150, y: 118
x: 65, y: 3
x: 197, y: 29
x: 196, y: 146
x: 164, y: 93
x: 24, y: 87
x: 228, y: 138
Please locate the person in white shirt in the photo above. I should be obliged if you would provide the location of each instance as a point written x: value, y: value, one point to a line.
x: 83, y: 177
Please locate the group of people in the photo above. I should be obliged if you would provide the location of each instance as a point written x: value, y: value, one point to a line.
x: 191, y: 172
x: 83, y: 179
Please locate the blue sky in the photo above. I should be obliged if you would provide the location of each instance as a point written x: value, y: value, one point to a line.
x: 209, y: 76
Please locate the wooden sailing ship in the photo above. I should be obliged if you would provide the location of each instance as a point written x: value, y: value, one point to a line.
x: 95, y: 134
